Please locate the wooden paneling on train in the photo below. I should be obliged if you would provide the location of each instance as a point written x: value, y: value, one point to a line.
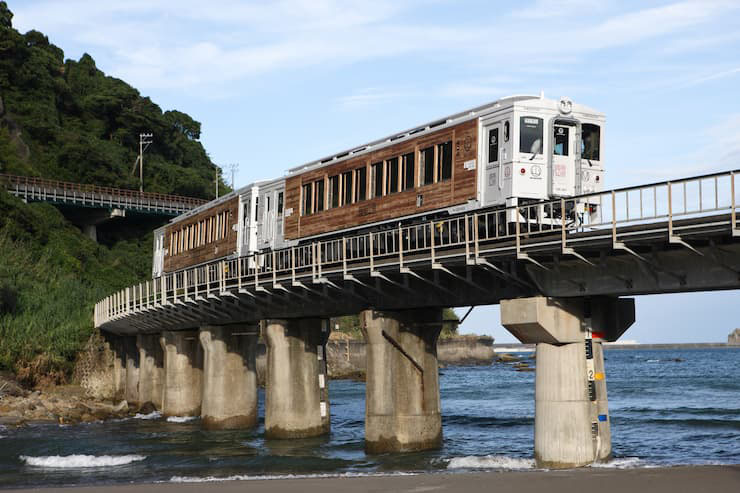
x: 512, y: 151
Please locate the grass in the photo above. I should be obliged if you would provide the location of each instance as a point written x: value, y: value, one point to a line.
x: 51, y: 276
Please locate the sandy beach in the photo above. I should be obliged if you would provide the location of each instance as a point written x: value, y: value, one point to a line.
x: 654, y: 480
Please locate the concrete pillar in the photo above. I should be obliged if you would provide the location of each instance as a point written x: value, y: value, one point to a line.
x: 296, y: 392
x: 115, y: 345
x: 91, y: 231
x: 229, y: 376
x: 402, y: 408
x: 132, y: 371
x: 151, y: 369
x: 571, y: 407
x: 183, y: 373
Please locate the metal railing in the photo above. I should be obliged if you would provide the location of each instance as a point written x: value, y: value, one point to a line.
x: 31, y: 188
x: 472, y: 237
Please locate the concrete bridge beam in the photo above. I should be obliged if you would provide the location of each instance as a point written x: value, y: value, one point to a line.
x: 229, y: 376
x: 296, y: 390
x: 571, y: 407
x: 183, y: 373
x: 402, y: 407
x: 151, y: 369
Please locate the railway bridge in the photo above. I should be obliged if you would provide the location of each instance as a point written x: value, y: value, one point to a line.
x: 186, y: 341
x: 90, y: 205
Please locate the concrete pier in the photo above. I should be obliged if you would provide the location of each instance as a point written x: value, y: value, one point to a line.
x: 229, y: 376
x: 132, y: 370
x: 151, y: 369
x: 296, y: 391
x: 115, y: 345
x: 571, y: 408
x: 183, y: 373
x: 402, y: 408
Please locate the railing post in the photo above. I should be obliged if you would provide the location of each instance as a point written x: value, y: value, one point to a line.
x: 344, y: 255
x: 614, y: 217
x: 372, y: 254
x: 733, y: 213
x: 562, y: 217
x: 670, y: 211
x: 400, y: 246
x: 475, y: 235
x: 467, y: 239
x: 431, y: 241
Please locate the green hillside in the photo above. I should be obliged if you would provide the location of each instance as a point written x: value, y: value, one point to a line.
x: 67, y: 120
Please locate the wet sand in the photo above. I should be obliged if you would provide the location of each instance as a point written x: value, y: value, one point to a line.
x: 654, y: 480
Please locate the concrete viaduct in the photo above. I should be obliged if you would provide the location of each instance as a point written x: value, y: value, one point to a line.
x: 186, y: 341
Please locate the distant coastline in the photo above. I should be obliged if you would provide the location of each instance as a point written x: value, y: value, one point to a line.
x: 683, y: 345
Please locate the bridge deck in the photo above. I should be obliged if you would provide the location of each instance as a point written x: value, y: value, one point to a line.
x: 663, y: 237
x: 83, y: 195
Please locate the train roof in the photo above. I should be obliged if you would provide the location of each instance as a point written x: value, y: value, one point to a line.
x: 416, y: 131
x: 432, y: 126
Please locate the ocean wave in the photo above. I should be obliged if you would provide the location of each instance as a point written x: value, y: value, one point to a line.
x: 490, y: 462
x: 623, y: 463
x: 151, y: 415
x: 181, y: 419
x: 80, y: 461
x: 264, y: 477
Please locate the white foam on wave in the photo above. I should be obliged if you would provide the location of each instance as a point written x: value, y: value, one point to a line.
x: 490, y: 462
x: 265, y: 477
x: 622, y: 463
x: 80, y: 461
x: 181, y: 419
x: 151, y: 415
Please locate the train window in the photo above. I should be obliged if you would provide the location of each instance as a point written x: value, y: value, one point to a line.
x: 318, y: 187
x: 506, y: 131
x: 409, y: 171
x: 530, y: 135
x: 280, y: 204
x: 391, y: 175
x: 376, y: 178
x: 346, y: 188
x: 334, y: 191
x: 360, y: 184
x: 560, y: 148
x: 493, y: 145
x: 444, y: 153
x: 591, y: 141
x: 426, y: 163
x: 307, y: 196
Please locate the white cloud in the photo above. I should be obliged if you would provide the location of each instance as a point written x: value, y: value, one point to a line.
x: 182, y: 45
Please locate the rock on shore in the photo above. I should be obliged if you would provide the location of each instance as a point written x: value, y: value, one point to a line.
x: 63, y: 405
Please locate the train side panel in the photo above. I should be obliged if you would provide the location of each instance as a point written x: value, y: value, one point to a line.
x: 206, y: 236
x: 459, y: 189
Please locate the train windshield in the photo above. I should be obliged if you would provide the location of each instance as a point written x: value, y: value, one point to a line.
x: 530, y: 134
x: 590, y: 142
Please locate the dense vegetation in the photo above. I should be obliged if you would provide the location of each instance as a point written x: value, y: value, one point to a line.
x: 65, y: 119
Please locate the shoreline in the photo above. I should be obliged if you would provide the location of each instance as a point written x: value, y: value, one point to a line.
x: 656, y: 479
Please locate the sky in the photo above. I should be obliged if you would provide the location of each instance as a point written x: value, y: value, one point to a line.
x: 281, y: 83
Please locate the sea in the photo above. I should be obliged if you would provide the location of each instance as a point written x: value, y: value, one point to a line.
x: 667, y: 408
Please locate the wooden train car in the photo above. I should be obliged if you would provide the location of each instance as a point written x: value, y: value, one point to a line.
x: 512, y: 151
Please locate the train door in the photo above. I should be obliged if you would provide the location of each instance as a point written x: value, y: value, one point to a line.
x: 158, y: 259
x: 563, y: 172
x: 493, y: 159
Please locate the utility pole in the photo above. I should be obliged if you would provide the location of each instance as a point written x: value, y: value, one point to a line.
x: 233, y: 167
x: 145, y: 141
x: 218, y: 172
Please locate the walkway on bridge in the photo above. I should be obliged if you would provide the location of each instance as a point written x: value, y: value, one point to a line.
x: 33, y: 189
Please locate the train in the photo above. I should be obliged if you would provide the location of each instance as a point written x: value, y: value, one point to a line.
x: 513, y: 151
